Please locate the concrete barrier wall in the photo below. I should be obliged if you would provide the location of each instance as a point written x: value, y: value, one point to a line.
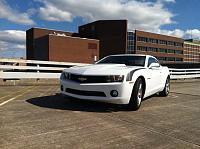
x: 27, y: 82
x: 182, y: 65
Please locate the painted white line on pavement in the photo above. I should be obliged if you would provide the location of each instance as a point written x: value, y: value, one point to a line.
x: 15, y: 92
x: 3, y: 103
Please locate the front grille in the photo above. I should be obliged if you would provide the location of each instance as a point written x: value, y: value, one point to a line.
x: 85, y: 93
x: 88, y: 79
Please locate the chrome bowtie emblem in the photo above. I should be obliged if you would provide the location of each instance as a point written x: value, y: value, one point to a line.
x: 82, y: 79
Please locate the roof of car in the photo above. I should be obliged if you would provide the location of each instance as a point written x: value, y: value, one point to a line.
x: 131, y: 55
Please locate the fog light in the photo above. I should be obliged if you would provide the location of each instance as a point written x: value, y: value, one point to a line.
x: 114, y: 93
x: 61, y: 87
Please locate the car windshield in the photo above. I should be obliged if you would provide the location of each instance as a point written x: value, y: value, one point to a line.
x: 127, y: 60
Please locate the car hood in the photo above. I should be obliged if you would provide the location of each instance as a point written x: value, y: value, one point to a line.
x: 102, y: 69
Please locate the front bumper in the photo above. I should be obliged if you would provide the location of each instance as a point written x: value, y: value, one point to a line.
x: 98, y: 91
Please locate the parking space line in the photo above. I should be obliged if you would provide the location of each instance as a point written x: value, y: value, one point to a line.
x: 3, y: 103
x: 22, y: 93
x: 15, y: 93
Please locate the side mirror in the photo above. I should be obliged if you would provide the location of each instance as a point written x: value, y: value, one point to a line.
x: 154, y: 65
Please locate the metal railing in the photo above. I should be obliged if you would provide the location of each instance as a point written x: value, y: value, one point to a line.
x: 184, y: 73
x: 32, y: 69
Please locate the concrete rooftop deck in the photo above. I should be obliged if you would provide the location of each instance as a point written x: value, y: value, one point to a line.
x: 38, y: 117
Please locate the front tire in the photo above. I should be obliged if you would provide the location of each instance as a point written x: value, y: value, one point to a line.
x: 137, y: 95
x: 165, y: 91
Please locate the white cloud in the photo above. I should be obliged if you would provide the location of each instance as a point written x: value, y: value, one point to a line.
x: 12, y: 43
x: 140, y: 14
x: 193, y: 33
x: 51, y: 13
x: 16, y: 36
x: 6, y: 12
x: 167, y: 1
x: 187, y: 34
x: 175, y: 33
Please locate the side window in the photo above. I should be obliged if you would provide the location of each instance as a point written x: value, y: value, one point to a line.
x: 152, y: 60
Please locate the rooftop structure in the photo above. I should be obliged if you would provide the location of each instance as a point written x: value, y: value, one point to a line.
x: 98, y: 39
x: 165, y: 48
x: 192, y: 51
x: 53, y: 45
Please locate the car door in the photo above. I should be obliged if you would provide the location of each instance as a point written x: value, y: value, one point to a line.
x: 154, y: 76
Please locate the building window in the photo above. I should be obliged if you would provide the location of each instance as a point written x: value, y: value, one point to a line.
x: 153, y: 40
x: 142, y: 48
x: 178, y: 44
x: 162, y: 50
x: 131, y: 42
x: 130, y: 48
x: 163, y: 42
x: 178, y: 51
x: 142, y: 39
x: 170, y: 51
x: 170, y: 58
x: 151, y: 49
x: 179, y: 59
x: 131, y: 36
x: 171, y: 43
x: 162, y: 58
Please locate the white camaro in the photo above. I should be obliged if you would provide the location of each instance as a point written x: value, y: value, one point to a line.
x: 119, y: 79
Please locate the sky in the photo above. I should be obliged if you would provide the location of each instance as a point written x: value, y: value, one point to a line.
x: 179, y: 18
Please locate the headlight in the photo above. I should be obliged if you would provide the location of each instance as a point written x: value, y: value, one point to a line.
x: 67, y: 75
x: 62, y: 76
x: 115, y: 78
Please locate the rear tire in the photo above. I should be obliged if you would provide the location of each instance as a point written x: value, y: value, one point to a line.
x: 165, y: 91
x: 137, y: 95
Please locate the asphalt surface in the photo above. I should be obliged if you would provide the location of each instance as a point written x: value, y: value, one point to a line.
x: 38, y: 117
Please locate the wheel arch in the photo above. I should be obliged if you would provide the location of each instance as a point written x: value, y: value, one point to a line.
x: 168, y: 76
x: 144, y: 84
x: 135, y: 102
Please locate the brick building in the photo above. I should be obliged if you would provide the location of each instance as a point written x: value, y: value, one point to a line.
x: 53, y: 45
x: 192, y: 51
x: 98, y: 39
x: 165, y: 48
x: 112, y: 35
